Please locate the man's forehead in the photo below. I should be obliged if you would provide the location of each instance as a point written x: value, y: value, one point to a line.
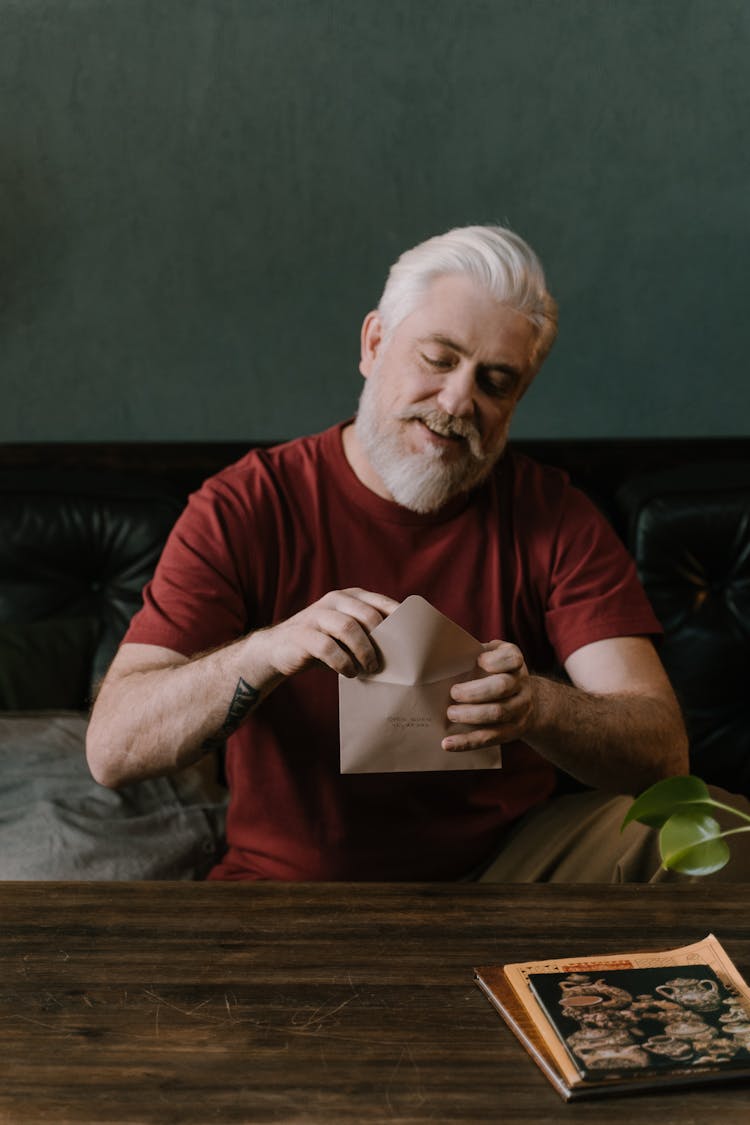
x: 501, y: 340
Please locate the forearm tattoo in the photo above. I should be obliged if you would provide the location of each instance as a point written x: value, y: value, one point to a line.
x: 245, y: 698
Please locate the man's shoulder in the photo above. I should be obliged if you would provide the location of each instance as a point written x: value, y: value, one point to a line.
x: 524, y: 474
x: 293, y: 459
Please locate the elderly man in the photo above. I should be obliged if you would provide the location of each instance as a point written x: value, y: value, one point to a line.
x: 283, y: 564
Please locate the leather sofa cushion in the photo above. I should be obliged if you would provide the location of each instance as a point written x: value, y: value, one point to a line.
x: 689, y: 530
x: 78, y: 547
x: 47, y: 664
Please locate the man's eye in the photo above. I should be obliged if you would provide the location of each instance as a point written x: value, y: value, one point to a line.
x: 437, y: 361
x: 499, y: 386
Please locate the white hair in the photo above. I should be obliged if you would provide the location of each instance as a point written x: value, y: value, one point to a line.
x: 494, y: 258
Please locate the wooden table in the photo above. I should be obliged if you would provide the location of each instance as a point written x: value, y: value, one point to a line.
x: 200, y: 1003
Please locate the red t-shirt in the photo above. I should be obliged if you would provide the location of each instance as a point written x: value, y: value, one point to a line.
x: 527, y: 558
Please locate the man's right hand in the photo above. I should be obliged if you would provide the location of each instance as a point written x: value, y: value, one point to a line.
x: 334, y: 631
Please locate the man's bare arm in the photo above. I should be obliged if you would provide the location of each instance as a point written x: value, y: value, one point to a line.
x: 158, y: 711
x: 618, y: 728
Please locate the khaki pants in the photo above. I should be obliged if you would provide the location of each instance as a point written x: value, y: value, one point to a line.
x: 576, y: 839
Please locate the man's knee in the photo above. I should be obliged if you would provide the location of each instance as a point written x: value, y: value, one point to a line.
x: 578, y: 838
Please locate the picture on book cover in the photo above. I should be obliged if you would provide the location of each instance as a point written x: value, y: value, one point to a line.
x: 671, y: 1017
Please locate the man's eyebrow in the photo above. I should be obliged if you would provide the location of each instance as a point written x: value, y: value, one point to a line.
x: 438, y: 338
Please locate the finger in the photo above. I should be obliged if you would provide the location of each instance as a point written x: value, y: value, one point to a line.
x: 501, y: 656
x: 366, y: 612
x: 486, y: 714
x: 481, y: 739
x: 332, y: 653
x: 381, y: 602
x: 488, y: 688
x: 350, y: 634
x: 319, y: 646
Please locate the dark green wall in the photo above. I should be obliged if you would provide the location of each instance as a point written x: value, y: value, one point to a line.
x: 199, y: 200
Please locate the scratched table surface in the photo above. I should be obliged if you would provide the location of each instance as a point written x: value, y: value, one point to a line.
x: 194, y: 1002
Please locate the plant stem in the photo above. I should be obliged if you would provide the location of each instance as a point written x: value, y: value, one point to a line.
x: 732, y: 831
x: 729, y: 808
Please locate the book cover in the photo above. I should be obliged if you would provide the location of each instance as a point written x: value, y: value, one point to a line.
x: 620, y: 1024
x: 676, y: 1018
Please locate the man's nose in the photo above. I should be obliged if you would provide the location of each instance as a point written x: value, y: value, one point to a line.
x: 456, y: 396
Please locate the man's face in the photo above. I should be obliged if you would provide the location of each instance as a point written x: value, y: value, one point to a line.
x: 440, y: 392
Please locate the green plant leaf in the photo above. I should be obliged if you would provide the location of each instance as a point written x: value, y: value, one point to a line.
x: 654, y: 806
x: 690, y: 843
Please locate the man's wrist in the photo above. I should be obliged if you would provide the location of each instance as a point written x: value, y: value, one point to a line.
x: 544, y: 694
x: 255, y: 663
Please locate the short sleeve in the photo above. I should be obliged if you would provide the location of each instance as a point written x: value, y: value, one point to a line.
x: 594, y: 591
x: 195, y: 600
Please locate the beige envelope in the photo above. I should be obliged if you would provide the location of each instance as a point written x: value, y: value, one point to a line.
x: 395, y: 719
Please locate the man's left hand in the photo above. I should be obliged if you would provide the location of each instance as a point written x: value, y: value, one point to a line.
x: 499, y: 706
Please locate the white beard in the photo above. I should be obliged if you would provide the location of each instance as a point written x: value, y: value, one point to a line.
x: 424, y: 480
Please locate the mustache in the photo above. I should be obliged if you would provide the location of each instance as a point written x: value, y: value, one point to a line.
x: 447, y: 425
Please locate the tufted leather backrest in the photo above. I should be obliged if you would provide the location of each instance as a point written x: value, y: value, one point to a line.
x: 689, y: 530
x: 78, y: 547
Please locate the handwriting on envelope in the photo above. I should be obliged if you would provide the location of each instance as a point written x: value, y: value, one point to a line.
x: 395, y: 719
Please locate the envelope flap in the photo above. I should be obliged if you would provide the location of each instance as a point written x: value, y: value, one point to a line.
x: 418, y: 644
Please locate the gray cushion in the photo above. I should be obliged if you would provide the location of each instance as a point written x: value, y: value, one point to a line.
x: 57, y: 823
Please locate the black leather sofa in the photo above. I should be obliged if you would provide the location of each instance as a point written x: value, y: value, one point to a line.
x: 689, y: 530
x: 81, y: 529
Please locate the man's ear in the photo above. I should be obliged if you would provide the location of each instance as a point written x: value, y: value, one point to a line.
x: 370, y: 340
